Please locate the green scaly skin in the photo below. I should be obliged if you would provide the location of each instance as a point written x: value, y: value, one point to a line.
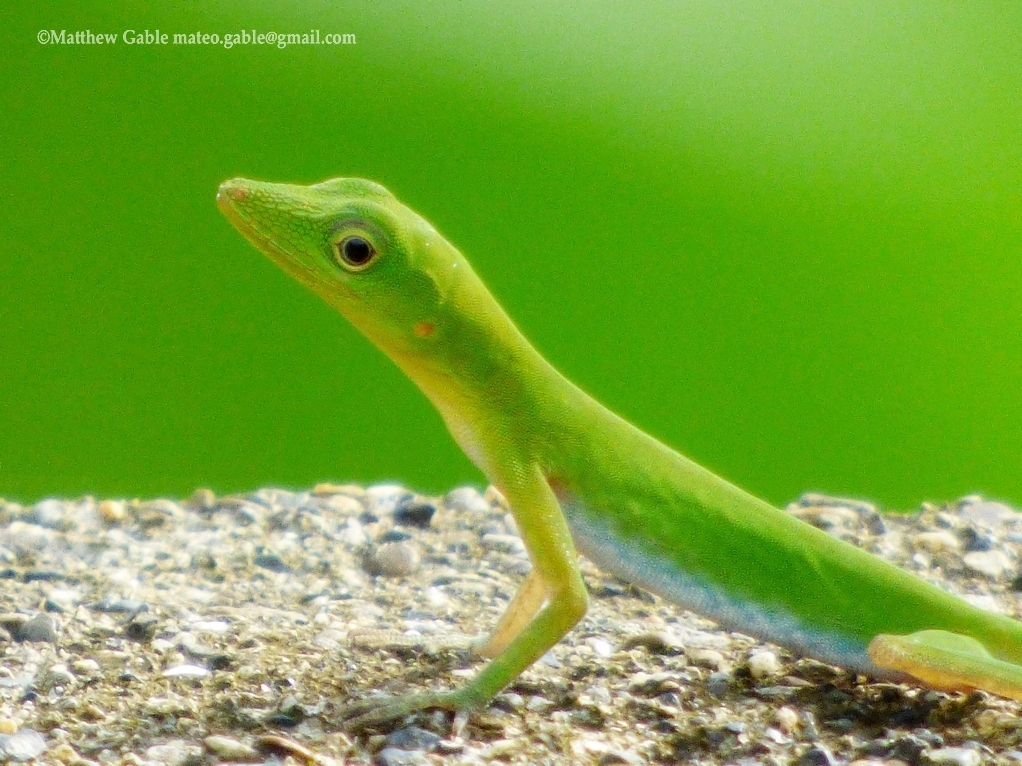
x: 575, y: 473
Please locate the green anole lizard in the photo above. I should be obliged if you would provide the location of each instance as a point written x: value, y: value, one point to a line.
x: 576, y: 474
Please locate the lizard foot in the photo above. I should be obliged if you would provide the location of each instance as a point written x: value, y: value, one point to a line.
x: 377, y: 711
x: 947, y: 661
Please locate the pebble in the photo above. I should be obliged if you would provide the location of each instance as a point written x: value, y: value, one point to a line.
x: 467, y: 500
x: 39, y: 628
x: 343, y: 505
x: 663, y: 642
x: 817, y: 755
x: 326, y: 489
x: 13, y: 622
x: 87, y: 667
x: 202, y: 499
x: 59, y: 675
x: 394, y: 756
x: 707, y: 658
x: 142, y: 627
x: 186, y: 671
x: 986, y: 513
x: 718, y: 683
x: 398, y: 559
x: 176, y: 752
x: 218, y: 627
x: 23, y: 745
x: 413, y: 738
x: 113, y: 605
x: 787, y: 719
x: 954, y: 756
x: 978, y: 541
x: 272, y: 562
x: 764, y: 663
x: 993, y: 564
x: 28, y: 539
x: 940, y: 541
x: 414, y: 513
x: 229, y: 749
x: 49, y: 514
x: 113, y: 511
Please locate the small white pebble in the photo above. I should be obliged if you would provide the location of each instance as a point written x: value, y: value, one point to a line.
x: 218, y: 627
x: 988, y: 514
x: 86, y: 667
x: 436, y: 597
x: 466, y: 500
x: 776, y: 736
x: 992, y: 564
x: 954, y: 756
x: 186, y: 671
x: 601, y: 647
x: 230, y: 749
x: 707, y: 658
x: 25, y: 745
x: 763, y: 664
x: 787, y: 719
x: 112, y: 511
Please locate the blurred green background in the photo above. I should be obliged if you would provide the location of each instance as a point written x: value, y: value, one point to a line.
x: 784, y: 238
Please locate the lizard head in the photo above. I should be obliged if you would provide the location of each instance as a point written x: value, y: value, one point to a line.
x: 352, y: 242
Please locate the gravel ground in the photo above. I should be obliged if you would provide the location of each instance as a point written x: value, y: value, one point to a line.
x: 236, y: 629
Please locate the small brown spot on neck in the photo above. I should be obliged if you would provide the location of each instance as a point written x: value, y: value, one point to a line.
x: 424, y: 329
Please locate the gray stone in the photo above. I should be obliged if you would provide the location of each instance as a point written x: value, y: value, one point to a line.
x: 397, y: 559
x: 39, y: 628
x: 413, y: 738
x: 395, y: 756
x: 817, y: 755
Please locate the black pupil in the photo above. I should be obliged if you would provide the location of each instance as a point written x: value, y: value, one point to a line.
x: 357, y: 251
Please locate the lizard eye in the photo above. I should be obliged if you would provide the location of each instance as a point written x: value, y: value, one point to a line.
x: 355, y: 253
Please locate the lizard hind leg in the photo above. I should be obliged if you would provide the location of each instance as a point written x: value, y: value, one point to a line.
x: 947, y: 661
